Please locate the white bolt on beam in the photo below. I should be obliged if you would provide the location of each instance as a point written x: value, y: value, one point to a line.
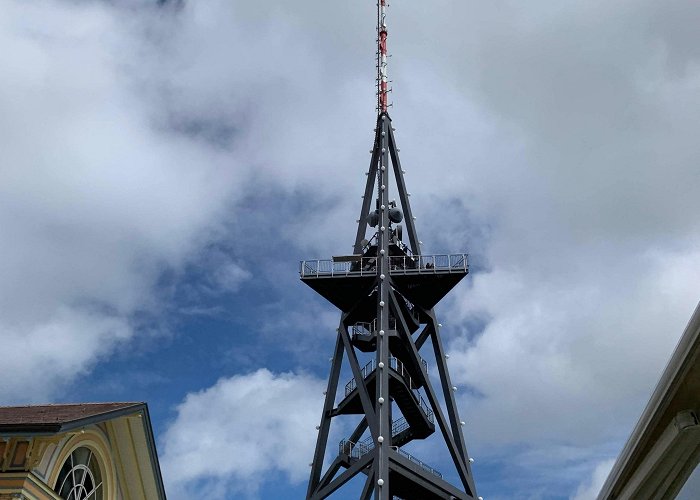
x: 381, y: 364
x: 380, y: 482
x: 381, y: 333
x: 440, y: 325
x: 383, y: 207
x: 447, y: 356
x: 381, y: 303
x: 318, y: 427
x: 462, y: 423
x: 381, y: 276
x: 471, y: 460
x: 381, y: 400
x: 380, y: 439
x: 454, y: 388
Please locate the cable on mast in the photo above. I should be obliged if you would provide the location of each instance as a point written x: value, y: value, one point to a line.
x: 382, y: 77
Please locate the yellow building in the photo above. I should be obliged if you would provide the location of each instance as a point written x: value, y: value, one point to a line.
x: 93, y: 451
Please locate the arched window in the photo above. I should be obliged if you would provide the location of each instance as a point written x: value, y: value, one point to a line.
x: 80, y: 477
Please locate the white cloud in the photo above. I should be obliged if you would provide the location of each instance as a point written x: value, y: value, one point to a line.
x: 59, y: 348
x: 578, y: 359
x: 590, y: 489
x: 94, y: 201
x: 231, y: 436
x: 566, y: 136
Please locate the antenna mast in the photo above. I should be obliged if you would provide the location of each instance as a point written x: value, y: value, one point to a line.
x: 386, y: 291
x: 382, y: 78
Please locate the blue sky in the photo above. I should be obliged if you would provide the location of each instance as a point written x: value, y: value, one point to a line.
x: 167, y: 164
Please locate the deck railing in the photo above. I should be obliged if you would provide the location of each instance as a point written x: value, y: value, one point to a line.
x: 419, y: 463
x: 370, y: 328
x: 399, y: 367
x: 394, y: 364
x: 398, y: 426
x: 403, y: 264
x: 361, y: 448
x: 355, y: 450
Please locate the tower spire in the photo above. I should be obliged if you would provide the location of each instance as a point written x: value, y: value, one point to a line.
x: 382, y: 56
x: 386, y: 291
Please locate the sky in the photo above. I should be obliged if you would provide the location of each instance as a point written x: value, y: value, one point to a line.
x: 166, y: 165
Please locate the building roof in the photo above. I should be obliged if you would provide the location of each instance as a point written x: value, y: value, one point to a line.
x: 50, y: 419
x: 677, y: 390
x: 60, y: 417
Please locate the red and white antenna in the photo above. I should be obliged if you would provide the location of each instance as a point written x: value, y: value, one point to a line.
x: 382, y: 77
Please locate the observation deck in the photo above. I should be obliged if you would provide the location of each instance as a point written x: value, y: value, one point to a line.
x: 422, y: 279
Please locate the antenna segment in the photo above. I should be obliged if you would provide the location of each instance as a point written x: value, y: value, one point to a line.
x: 382, y: 78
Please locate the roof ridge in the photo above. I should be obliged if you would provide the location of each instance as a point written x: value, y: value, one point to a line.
x: 93, y: 403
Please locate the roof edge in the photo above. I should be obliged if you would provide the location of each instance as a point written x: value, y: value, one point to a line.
x: 662, y: 393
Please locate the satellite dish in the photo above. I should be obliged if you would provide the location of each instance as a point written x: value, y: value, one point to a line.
x: 373, y: 219
x: 395, y: 215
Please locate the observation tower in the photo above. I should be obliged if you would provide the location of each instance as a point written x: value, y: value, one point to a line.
x: 386, y: 291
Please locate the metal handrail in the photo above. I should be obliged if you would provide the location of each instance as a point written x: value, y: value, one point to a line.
x: 398, y: 367
x: 403, y: 264
x: 366, y: 370
x: 360, y: 448
x: 419, y: 463
x: 426, y: 408
x: 364, y: 328
x: 399, y: 425
x: 355, y: 450
x: 395, y: 364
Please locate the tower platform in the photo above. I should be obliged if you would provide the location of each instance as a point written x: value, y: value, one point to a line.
x: 422, y: 279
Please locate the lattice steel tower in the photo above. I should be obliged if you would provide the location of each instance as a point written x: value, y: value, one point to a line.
x: 386, y: 291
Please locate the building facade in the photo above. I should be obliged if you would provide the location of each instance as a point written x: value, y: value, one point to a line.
x: 93, y: 451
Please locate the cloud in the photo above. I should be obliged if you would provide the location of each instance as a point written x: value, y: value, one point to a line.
x: 231, y: 436
x: 95, y: 202
x: 557, y: 145
x: 589, y: 490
